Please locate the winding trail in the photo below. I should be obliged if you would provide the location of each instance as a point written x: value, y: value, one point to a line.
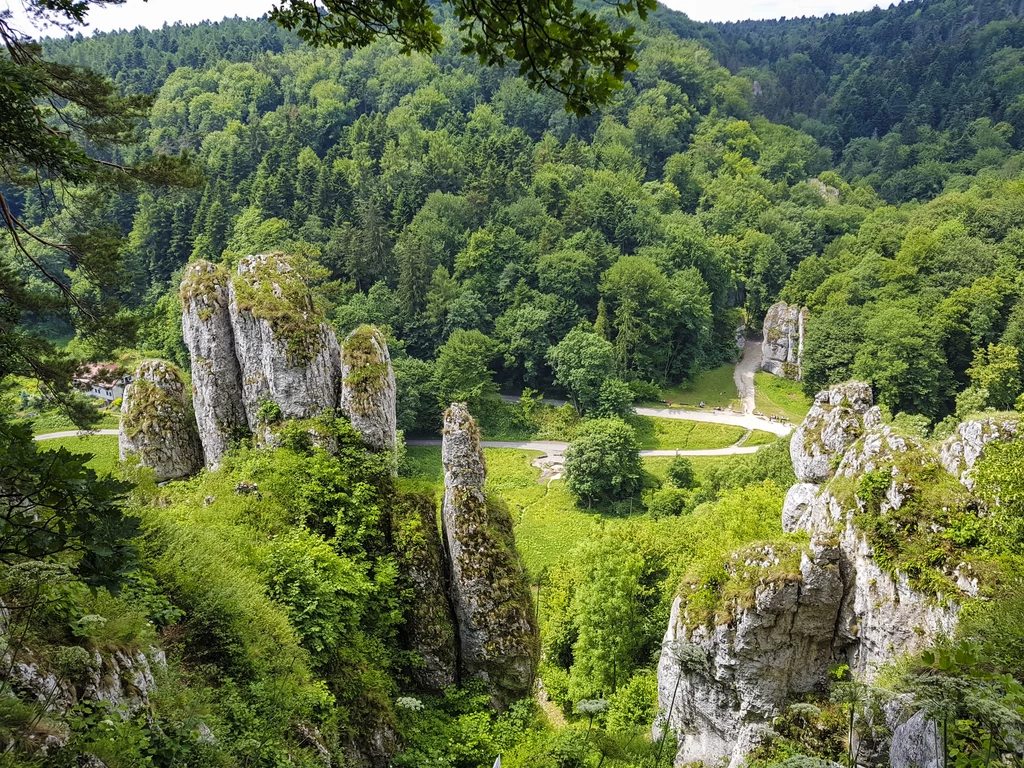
x: 554, y: 448
x: 748, y: 365
x: 76, y: 433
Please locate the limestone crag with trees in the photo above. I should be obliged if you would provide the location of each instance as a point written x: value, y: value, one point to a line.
x: 880, y: 577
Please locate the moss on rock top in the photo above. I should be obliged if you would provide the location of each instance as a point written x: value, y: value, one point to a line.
x: 269, y: 288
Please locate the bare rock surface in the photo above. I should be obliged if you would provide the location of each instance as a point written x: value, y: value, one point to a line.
x: 157, y: 423
x: 963, y: 448
x: 216, y: 376
x: 782, y: 349
x: 490, y: 598
x: 285, y: 352
x: 836, y: 420
x: 723, y: 679
x: 916, y: 744
x: 368, y: 391
x: 723, y: 682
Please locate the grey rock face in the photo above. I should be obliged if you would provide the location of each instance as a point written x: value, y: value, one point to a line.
x: 782, y: 350
x: 285, y: 353
x: 963, y: 448
x: 493, y: 613
x: 157, y: 423
x: 368, y: 392
x: 882, y: 615
x: 836, y: 419
x: 720, y: 685
x: 797, y: 506
x: 916, y: 744
x: 430, y: 627
x: 728, y: 680
x: 216, y: 376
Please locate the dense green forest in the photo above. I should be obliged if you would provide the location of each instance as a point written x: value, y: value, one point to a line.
x: 868, y: 167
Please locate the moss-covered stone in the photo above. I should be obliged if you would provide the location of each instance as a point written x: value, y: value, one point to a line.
x: 430, y: 626
x: 368, y: 391
x: 269, y: 288
x: 490, y: 597
x: 157, y: 423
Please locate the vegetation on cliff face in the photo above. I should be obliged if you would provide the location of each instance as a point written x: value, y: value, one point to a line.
x: 498, y: 242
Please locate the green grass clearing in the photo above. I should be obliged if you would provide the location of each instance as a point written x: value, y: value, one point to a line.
x: 776, y: 396
x: 715, y: 388
x: 55, y: 421
x: 660, y: 434
x: 102, y: 447
x: 760, y: 437
x: 702, y: 465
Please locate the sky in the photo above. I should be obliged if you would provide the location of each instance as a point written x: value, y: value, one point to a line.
x: 155, y: 13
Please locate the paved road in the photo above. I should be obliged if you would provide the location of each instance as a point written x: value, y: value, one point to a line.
x: 743, y: 375
x: 76, y: 433
x: 710, y: 416
x: 554, y: 448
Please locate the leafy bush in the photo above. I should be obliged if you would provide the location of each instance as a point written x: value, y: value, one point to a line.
x: 602, y: 464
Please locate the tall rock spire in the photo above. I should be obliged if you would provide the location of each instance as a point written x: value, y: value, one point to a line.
x: 490, y: 598
x: 368, y: 388
x: 216, y: 376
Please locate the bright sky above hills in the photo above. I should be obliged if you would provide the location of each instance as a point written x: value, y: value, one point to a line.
x: 155, y: 13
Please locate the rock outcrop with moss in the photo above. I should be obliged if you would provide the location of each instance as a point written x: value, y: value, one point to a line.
x: 287, y: 355
x: 490, y: 598
x: 430, y: 627
x: 838, y: 417
x: 157, y: 423
x: 723, y: 675
x: 782, y: 350
x: 216, y: 376
x: 963, y: 448
x: 881, y: 578
x: 368, y: 395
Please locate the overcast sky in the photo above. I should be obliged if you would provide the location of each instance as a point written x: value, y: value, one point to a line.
x: 154, y: 13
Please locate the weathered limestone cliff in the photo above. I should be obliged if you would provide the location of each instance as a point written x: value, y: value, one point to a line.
x: 368, y: 393
x: 838, y: 417
x: 216, y: 376
x: 782, y: 350
x: 286, y: 354
x: 430, y: 627
x: 722, y: 678
x: 157, y: 423
x: 864, y: 492
x: 963, y: 448
x: 494, y: 619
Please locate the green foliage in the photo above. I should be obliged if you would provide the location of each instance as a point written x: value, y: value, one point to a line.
x: 582, y: 363
x: 461, y: 373
x: 53, y: 506
x: 602, y: 463
x: 680, y: 472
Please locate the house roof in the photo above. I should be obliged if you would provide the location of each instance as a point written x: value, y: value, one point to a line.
x: 98, y: 375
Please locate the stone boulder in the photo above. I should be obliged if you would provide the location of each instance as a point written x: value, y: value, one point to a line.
x: 157, y: 423
x: 430, y: 627
x: 368, y: 392
x: 722, y: 679
x: 916, y: 744
x: 838, y: 417
x: 782, y: 350
x: 286, y: 353
x: 489, y: 594
x: 216, y: 376
x: 963, y: 448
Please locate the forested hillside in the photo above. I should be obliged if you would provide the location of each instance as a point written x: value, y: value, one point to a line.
x: 362, y: 246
